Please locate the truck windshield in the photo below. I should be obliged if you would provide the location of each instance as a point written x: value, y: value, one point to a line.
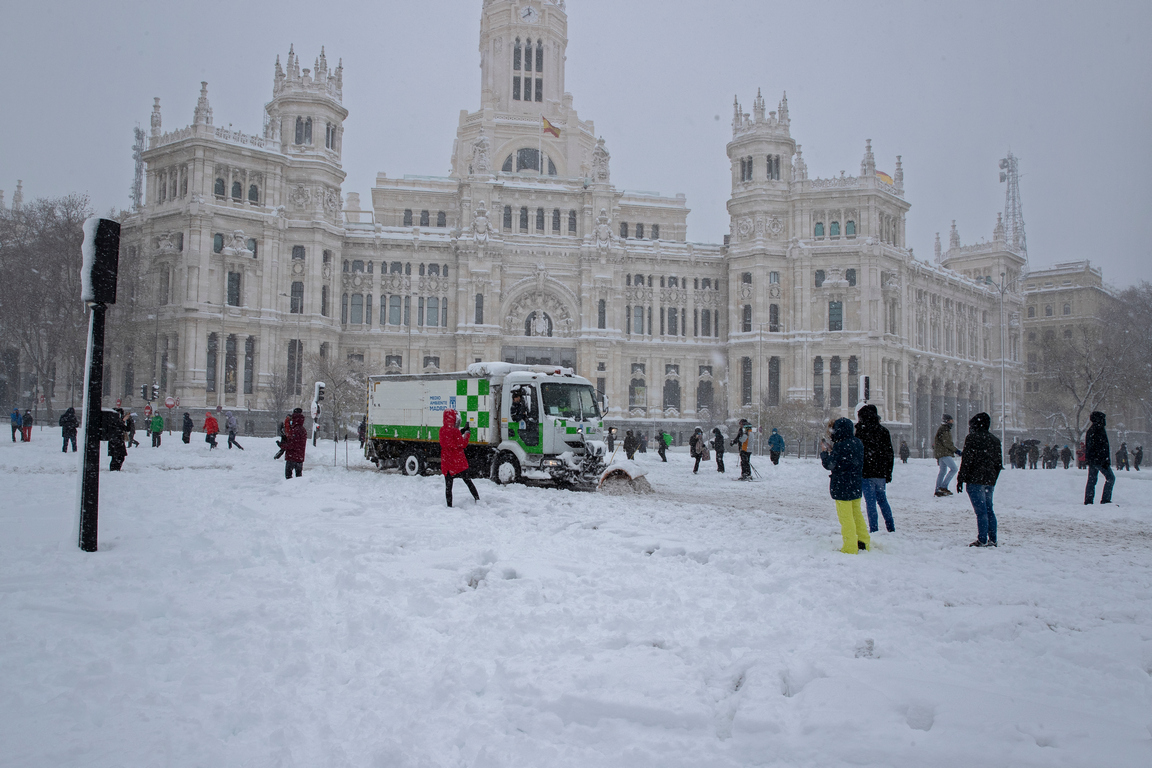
x: 569, y: 401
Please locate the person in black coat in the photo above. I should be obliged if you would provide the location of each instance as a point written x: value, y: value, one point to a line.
x: 980, y: 466
x: 718, y: 446
x: 844, y: 458
x: 117, y: 451
x: 878, y: 461
x: 1137, y: 457
x: 188, y: 427
x: 904, y: 452
x: 630, y: 445
x: 68, y: 426
x: 1098, y: 456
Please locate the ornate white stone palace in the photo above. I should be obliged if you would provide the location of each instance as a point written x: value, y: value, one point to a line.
x: 527, y: 252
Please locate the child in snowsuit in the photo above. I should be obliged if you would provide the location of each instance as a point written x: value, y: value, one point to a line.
x: 844, y: 458
x: 453, y: 461
x: 211, y: 429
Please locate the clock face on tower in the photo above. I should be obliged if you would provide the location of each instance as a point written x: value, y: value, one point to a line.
x: 529, y: 14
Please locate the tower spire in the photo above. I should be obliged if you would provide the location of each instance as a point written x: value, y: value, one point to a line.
x: 868, y: 164
x: 758, y: 107
x: 953, y: 237
x: 203, y: 113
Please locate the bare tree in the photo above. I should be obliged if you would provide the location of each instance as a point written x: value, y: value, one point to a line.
x: 345, y: 389
x: 800, y: 423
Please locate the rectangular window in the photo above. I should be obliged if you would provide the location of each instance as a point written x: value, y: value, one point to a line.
x: 539, y: 89
x: 672, y: 327
x: 507, y: 218
x: 249, y: 363
x: 639, y: 231
x: 407, y: 311
x: 571, y: 222
x: 297, y: 252
x: 818, y: 382
x: 523, y: 219
x: 835, y: 315
x: 420, y: 312
x: 706, y: 322
x: 431, y: 362
x: 433, y: 316
x: 296, y: 301
x: 853, y: 381
x: 834, y: 388
x: 638, y: 320
x: 356, y: 316
x: 628, y: 319
x: 655, y: 231
x: 516, y: 88
x: 424, y: 218
x: 230, y: 364
x: 555, y: 221
x: 601, y: 314
x: 394, y: 310
x: 210, y: 365
x: 295, y: 366
x: 479, y: 309
x: 233, y: 289
x: 746, y: 381
x: 774, y: 278
x: 773, y: 381
x: 393, y: 361
x: 162, y: 299
x: 164, y: 369
x: 540, y: 220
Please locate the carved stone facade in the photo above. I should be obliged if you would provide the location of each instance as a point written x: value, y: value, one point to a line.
x: 527, y: 252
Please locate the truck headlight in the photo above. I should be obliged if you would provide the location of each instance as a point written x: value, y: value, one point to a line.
x: 551, y: 463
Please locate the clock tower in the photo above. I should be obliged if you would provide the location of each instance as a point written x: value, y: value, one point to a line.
x: 522, y: 53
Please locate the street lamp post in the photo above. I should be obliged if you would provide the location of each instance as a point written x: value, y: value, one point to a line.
x: 1003, y: 287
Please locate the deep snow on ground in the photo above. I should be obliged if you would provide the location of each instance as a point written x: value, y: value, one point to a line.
x: 348, y: 618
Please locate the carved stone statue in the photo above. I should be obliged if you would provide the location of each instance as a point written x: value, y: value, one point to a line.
x: 481, y: 227
x: 600, y: 158
x: 156, y: 117
x: 482, y: 154
x: 603, y: 231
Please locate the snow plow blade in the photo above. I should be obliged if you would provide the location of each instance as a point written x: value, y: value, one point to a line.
x: 624, y: 478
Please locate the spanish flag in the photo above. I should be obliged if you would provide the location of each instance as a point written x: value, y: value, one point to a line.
x: 549, y: 128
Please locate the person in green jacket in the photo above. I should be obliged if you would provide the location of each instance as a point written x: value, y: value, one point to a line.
x: 157, y: 425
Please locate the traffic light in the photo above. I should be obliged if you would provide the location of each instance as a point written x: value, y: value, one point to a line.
x: 155, y: 391
x: 144, y: 391
x: 319, y: 392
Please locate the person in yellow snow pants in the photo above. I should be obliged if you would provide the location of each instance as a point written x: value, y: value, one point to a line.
x: 853, y: 526
x: 844, y: 459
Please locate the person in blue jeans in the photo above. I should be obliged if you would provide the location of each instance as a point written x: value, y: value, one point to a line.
x: 1097, y: 456
x: 878, y: 461
x: 980, y: 465
x: 944, y: 450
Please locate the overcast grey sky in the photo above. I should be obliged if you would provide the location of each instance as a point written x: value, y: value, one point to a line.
x: 950, y: 86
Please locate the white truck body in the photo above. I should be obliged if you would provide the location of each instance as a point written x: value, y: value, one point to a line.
x: 559, y: 438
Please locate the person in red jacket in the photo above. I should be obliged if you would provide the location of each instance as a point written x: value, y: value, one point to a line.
x: 295, y: 443
x: 453, y: 462
x: 211, y: 428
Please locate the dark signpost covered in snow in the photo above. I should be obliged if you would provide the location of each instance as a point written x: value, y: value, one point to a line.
x: 101, y: 252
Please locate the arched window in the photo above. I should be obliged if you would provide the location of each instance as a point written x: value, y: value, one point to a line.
x: 655, y: 231
x: 555, y: 221
x: 296, y: 301
x: 210, y: 373
x: 745, y: 381
x: 704, y: 396
x: 441, y: 219
x: 746, y: 322
x: 538, y: 324
x: 424, y: 218
x: 637, y: 393
x: 1047, y: 310
x: 297, y: 252
x: 853, y: 381
x: 539, y: 219
x: 773, y: 381
x: 308, y: 130
x: 434, y: 269
x: 601, y: 314
x: 356, y: 316
x: 523, y: 219
x: 624, y: 230
x: 347, y: 266
x: 253, y: 194
x: 299, y: 130
x: 746, y: 278
x: 433, y: 312
x: 819, y: 276
x: 517, y: 55
x: 217, y: 243
x: 819, y: 231
x: 444, y: 270
x: 639, y: 231
x: 357, y: 266
x: 850, y: 229
x: 422, y: 268
x: 218, y: 189
x: 1031, y: 311
x: 638, y: 280
x: 1067, y: 309
x: 395, y: 268
x: 774, y: 318
x: 671, y: 394
x: 539, y: 57
x: 571, y: 222
x: 237, y: 190
x: 507, y: 218
x: 407, y: 217
x: 507, y: 167
x: 834, y: 229
x: 479, y: 319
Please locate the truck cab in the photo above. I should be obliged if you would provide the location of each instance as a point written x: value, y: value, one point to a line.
x: 550, y: 423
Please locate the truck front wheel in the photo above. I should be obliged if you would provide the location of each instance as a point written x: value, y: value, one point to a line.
x: 412, y: 464
x: 506, y: 469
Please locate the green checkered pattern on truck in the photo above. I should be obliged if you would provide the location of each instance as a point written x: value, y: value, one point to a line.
x: 472, y: 402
